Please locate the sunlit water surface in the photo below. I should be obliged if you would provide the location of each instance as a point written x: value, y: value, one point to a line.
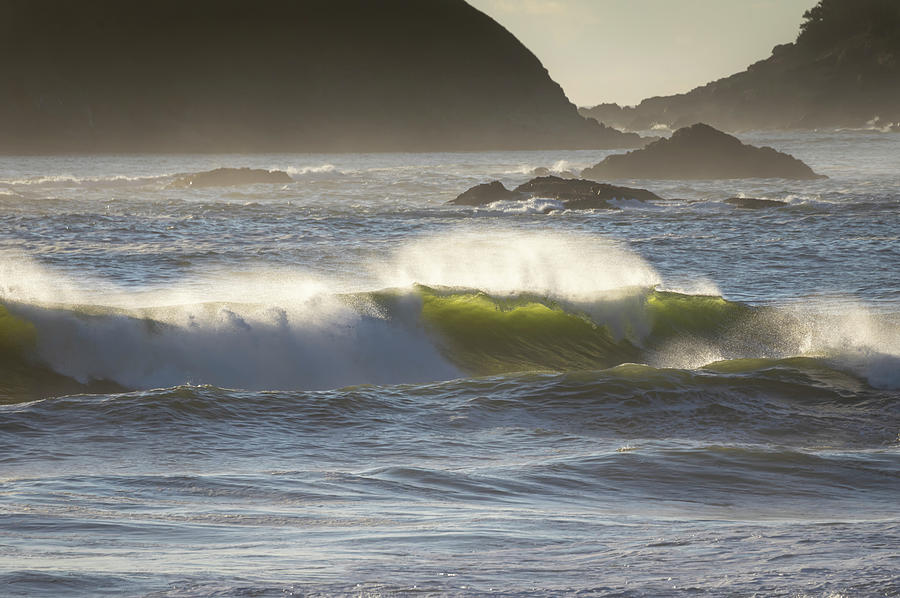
x: 345, y: 386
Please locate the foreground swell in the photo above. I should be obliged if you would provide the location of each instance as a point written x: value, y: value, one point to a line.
x: 557, y: 483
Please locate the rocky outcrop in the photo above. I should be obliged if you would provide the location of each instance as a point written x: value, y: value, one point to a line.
x: 276, y: 75
x: 843, y: 71
x: 753, y: 203
x: 484, y: 194
x: 575, y: 194
x: 701, y: 152
x: 231, y: 177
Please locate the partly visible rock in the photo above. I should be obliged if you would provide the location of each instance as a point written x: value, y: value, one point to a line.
x: 752, y: 203
x: 701, y: 152
x: 582, y: 194
x: 575, y: 194
x: 230, y: 177
x: 484, y: 194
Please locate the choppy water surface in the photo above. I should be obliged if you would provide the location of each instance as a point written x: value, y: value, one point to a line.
x: 344, y: 386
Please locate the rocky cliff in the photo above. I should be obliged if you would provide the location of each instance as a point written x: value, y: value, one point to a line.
x: 842, y: 71
x: 275, y: 75
x: 700, y: 152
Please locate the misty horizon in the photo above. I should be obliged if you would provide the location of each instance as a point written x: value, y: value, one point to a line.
x: 617, y: 51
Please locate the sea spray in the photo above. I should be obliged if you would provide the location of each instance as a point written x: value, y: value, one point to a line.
x: 502, y: 261
x: 498, y: 302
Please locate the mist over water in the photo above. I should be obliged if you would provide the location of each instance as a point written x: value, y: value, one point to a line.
x: 343, y: 386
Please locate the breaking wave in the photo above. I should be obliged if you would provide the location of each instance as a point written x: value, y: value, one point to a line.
x: 414, y: 335
x: 487, y: 303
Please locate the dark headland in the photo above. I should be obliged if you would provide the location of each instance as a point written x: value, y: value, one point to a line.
x: 843, y: 71
x: 700, y: 152
x: 275, y: 75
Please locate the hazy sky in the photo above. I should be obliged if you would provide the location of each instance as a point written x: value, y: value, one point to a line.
x: 626, y: 50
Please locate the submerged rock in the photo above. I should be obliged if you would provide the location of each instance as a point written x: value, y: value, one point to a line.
x: 575, y: 194
x: 582, y: 194
x: 485, y: 193
x: 230, y: 177
x: 752, y: 203
x: 701, y: 152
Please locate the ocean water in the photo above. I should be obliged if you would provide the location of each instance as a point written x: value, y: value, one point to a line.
x: 343, y: 386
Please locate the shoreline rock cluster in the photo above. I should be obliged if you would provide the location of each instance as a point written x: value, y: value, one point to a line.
x: 701, y: 152
x: 695, y: 152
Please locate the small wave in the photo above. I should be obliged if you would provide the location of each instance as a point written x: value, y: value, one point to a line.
x: 560, y: 168
x: 68, y: 180
x: 874, y: 125
x: 522, y: 169
x: 317, y: 169
x: 767, y: 401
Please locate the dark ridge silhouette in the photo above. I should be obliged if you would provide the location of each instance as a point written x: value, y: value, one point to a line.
x: 576, y: 194
x: 701, y: 152
x: 842, y: 72
x: 275, y: 75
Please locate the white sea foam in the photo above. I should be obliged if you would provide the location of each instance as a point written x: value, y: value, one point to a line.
x: 24, y: 279
x: 560, y: 166
x: 315, y: 169
x: 522, y: 169
x: 852, y: 335
x: 700, y: 285
x: 533, y: 205
x: 846, y: 333
x: 557, y: 168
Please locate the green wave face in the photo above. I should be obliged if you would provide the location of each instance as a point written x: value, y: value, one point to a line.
x: 486, y: 335
x: 441, y: 332
x: 23, y: 378
x: 16, y: 335
x: 674, y: 314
